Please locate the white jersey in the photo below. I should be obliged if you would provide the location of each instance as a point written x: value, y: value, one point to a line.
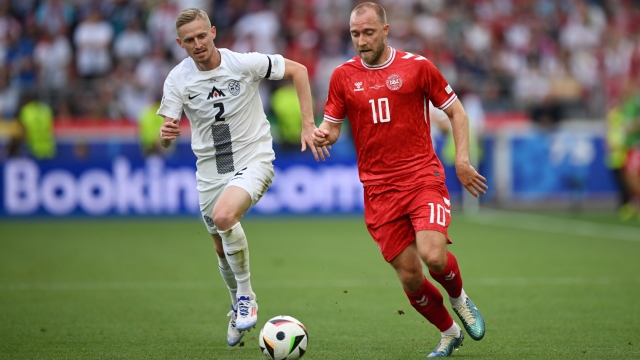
x: 229, y: 128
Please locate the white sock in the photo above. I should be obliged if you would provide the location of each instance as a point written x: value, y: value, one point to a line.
x: 229, y: 279
x: 454, y: 331
x: 236, y: 249
x: 459, y: 300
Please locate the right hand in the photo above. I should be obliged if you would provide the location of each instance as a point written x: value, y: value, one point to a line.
x: 321, y: 137
x: 169, y: 130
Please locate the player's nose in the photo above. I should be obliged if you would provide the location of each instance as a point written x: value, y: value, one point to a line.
x: 362, y: 42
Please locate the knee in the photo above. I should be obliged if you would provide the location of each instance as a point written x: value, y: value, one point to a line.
x: 435, y: 261
x: 411, y: 278
x: 224, y: 219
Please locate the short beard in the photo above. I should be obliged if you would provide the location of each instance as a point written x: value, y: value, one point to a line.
x: 376, y: 54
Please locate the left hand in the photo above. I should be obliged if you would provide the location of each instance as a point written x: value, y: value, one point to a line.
x: 306, y: 137
x: 470, y: 179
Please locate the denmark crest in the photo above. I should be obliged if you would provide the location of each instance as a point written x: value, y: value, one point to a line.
x: 394, y: 82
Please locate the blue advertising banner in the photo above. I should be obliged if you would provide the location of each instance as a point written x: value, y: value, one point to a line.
x: 563, y: 165
x: 114, y: 179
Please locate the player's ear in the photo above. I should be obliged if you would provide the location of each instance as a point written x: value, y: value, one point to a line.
x: 179, y: 42
x: 213, y: 33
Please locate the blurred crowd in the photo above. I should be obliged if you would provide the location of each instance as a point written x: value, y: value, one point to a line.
x: 102, y: 61
x: 108, y: 59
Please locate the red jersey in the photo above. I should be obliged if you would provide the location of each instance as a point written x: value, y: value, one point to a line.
x: 388, y: 110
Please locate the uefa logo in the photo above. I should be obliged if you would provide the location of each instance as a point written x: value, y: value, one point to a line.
x: 394, y: 82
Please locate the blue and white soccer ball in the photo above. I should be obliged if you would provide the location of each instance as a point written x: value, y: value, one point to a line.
x: 283, y: 337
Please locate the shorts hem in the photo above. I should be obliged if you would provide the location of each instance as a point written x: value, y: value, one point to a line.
x: 446, y: 235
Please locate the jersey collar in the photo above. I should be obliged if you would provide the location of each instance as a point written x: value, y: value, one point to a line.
x: 392, y: 56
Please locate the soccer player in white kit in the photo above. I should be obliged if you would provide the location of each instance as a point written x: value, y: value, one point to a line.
x: 218, y: 91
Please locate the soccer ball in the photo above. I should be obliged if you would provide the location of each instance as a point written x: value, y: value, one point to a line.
x: 283, y: 337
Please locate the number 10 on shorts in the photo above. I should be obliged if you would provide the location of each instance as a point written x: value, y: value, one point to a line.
x: 438, y: 214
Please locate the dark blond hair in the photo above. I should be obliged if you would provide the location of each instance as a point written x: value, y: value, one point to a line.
x: 191, y: 14
x: 382, y: 15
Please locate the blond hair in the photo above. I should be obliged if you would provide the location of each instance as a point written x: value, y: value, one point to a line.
x: 191, y: 14
x: 380, y: 13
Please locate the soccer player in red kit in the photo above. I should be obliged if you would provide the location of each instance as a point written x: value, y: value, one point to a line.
x: 385, y: 93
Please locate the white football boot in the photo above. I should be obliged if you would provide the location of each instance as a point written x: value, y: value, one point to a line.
x: 247, y: 313
x: 233, y: 335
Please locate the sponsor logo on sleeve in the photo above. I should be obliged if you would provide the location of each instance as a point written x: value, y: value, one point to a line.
x: 448, y: 89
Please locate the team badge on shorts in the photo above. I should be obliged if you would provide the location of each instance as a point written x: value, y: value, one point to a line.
x: 394, y: 82
x: 209, y: 220
x: 234, y: 87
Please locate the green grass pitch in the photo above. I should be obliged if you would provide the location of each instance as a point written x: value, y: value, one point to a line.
x: 550, y: 286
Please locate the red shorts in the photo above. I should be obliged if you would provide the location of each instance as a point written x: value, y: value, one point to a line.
x: 632, y: 166
x: 393, y: 215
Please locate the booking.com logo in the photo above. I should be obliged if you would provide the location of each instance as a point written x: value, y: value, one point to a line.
x: 157, y: 189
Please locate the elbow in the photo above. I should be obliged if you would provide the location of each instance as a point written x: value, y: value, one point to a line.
x: 300, y: 72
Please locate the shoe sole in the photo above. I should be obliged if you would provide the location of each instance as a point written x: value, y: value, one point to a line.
x: 237, y: 342
x: 248, y: 328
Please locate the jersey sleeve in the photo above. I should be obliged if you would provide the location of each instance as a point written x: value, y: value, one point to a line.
x: 263, y: 66
x: 335, y: 110
x: 439, y: 90
x: 171, y: 104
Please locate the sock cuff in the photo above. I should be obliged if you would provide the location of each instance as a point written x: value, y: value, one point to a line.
x: 232, y: 235
x: 230, y: 230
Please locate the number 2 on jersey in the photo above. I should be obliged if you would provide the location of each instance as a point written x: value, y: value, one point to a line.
x: 382, y: 112
x: 220, y: 107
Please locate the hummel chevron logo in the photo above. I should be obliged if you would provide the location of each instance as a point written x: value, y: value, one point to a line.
x: 423, y: 302
x: 450, y: 276
x: 193, y: 97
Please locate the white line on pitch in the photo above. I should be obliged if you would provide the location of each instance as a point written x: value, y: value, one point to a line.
x: 554, y: 225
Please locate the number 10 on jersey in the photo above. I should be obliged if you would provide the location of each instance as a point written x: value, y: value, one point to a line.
x: 382, y: 112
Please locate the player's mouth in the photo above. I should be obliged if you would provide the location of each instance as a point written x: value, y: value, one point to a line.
x: 365, y: 51
x: 200, y: 52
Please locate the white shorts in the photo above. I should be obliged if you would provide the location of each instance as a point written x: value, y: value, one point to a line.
x: 255, y: 179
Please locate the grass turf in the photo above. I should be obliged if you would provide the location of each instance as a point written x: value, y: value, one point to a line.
x: 149, y: 289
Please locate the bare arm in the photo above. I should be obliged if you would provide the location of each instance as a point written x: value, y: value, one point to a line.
x: 298, y: 72
x: 327, y: 134
x: 469, y: 177
x: 169, y: 131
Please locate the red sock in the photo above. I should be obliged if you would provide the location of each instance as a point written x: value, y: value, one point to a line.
x: 450, y: 277
x: 428, y: 302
